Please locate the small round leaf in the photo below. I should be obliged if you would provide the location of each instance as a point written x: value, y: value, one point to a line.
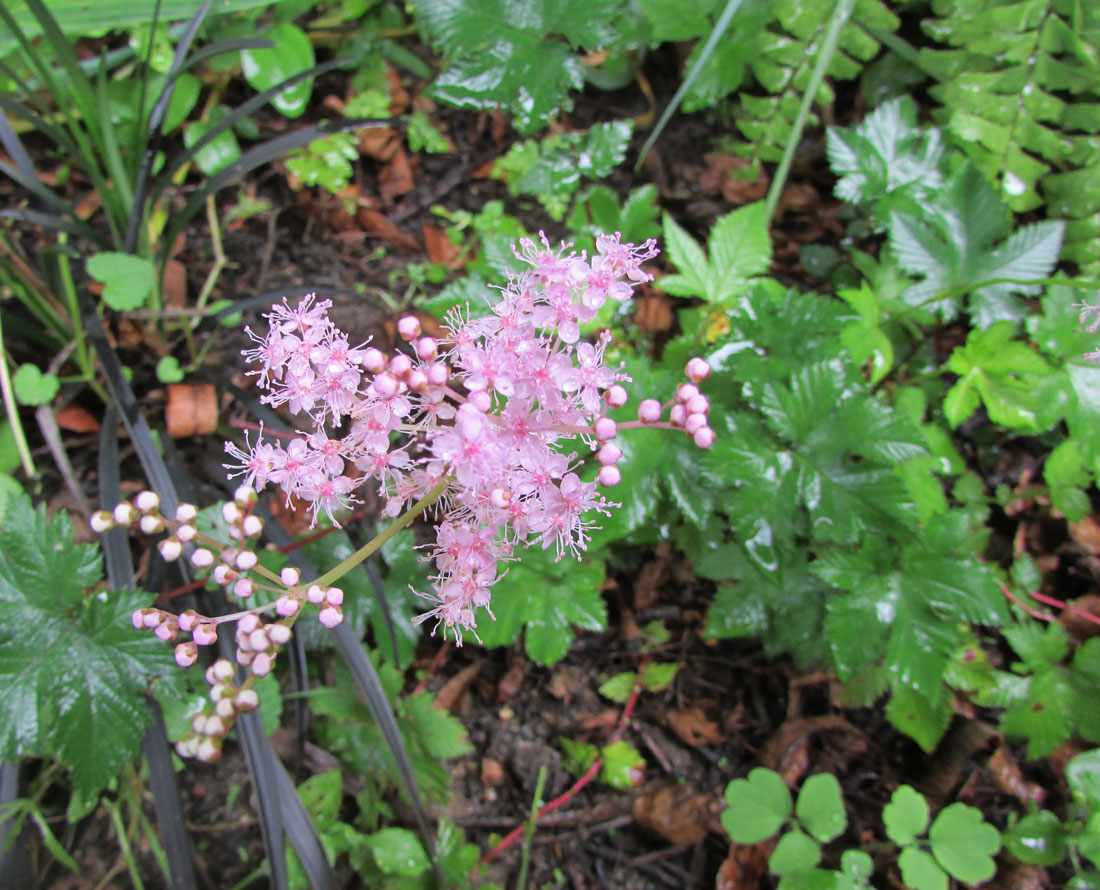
x: 794, y: 852
x: 398, y: 852
x: 266, y: 68
x: 758, y: 806
x: 906, y: 816
x: 1083, y: 777
x: 32, y: 387
x: 820, y: 807
x: 127, y: 279
x: 857, y: 865
x: 1037, y: 839
x: 919, y: 870
x: 964, y: 844
x: 168, y: 370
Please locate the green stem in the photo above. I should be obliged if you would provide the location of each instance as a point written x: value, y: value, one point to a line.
x: 378, y: 540
x: 529, y: 834
x: 840, y: 15
x: 13, y: 411
x: 124, y: 842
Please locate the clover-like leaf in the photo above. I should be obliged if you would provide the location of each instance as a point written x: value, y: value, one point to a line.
x: 964, y: 843
x: 906, y: 816
x: 820, y: 807
x: 795, y: 852
x: 127, y: 279
x: 1037, y: 839
x: 32, y: 387
x: 919, y: 871
x: 758, y: 806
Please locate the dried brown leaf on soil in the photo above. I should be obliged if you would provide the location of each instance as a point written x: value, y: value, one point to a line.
x: 191, y: 410
x: 678, y: 813
x: 693, y: 727
x: 440, y: 248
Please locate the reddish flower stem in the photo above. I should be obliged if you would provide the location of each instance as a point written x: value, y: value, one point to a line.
x: 593, y: 771
x: 1049, y: 601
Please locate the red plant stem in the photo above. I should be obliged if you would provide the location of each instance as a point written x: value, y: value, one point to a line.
x: 1034, y: 613
x: 593, y: 771
x: 1073, y: 610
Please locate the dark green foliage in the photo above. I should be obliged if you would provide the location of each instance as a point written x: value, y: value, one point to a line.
x: 1020, y: 88
x: 72, y: 667
x: 522, y: 57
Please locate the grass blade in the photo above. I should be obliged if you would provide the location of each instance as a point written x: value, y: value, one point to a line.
x: 166, y: 802
x: 15, y: 863
x: 221, y: 47
x: 262, y: 765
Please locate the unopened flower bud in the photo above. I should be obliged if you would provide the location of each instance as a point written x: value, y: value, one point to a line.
x: 138, y: 618
x: 186, y: 533
x: 186, y: 513
x: 704, y: 437
x: 246, y: 559
x: 150, y: 525
x: 409, y: 327
x: 616, y: 396
x: 249, y: 623
x: 287, y: 606
x: 697, y: 370
x: 214, y: 726
x: 187, y: 620
x: 678, y: 415
x: 385, y: 385
x: 374, y: 360
x: 153, y: 618
x: 170, y: 549
x: 438, y: 374
x: 245, y: 497
x: 257, y: 640
x: 167, y: 630
x: 686, y: 391
x: 247, y: 700
x: 278, y: 633
x: 223, y: 574
x: 290, y: 576
x: 244, y: 656
x: 334, y: 596
x: 202, y: 558
x: 694, y: 422
x: 204, y: 634
x: 147, y: 501
x: 244, y: 588
x: 609, y: 454
x: 102, y: 521
x: 125, y: 513
x: 315, y: 594
x: 609, y: 476
x: 416, y: 380
x: 400, y: 365
x: 209, y: 750
x: 606, y: 428
x: 222, y: 669
x: 252, y: 526
x: 226, y: 708
x: 331, y: 616
x: 261, y: 664
x: 427, y: 348
x: 186, y: 654
x: 649, y: 411
x: 697, y: 405
x: 231, y: 513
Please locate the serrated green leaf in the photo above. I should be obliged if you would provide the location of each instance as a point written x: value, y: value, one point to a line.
x: 1045, y: 716
x: 1083, y: 777
x: 905, y: 818
x: 618, y: 687
x: 657, y: 676
x: 72, y: 667
x: 757, y: 806
x: 740, y: 248
x: 579, y: 756
x: 820, y: 808
x: 922, y: 719
x: 442, y: 734
x: 623, y: 767
x: 688, y: 258
x: 964, y: 844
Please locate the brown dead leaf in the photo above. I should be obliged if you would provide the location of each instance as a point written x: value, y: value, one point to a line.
x: 693, y: 727
x: 76, y: 419
x: 492, y: 772
x: 787, y: 751
x: 175, y: 284
x: 1017, y: 876
x: 677, y: 812
x: 565, y: 683
x: 380, y: 226
x: 399, y: 96
x: 954, y: 757
x: 716, y: 178
x: 511, y: 682
x: 1087, y: 534
x: 1074, y: 618
x: 601, y: 720
x: 654, y: 313
x: 192, y: 409
x: 453, y: 689
x: 379, y: 143
x: 1010, y: 778
x: 745, y: 867
x: 396, y: 177
x: 440, y: 248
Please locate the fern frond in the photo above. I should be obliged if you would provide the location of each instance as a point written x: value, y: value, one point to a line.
x: 1020, y: 90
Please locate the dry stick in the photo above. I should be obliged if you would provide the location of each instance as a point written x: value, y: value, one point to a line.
x: 593, y: 771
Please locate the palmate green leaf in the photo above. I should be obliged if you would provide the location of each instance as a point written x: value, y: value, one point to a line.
x: 820, y: 807
x: 757, y: 806
x: 545, y: 600
x: 906, y: 816
x: 518, y: 57
x: 887, y: 154
x: 964, y: 843
x: 72, y: 667
x: 953, y: 246
x: 922, y: 720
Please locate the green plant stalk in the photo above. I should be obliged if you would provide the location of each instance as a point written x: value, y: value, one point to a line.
x: 720, y: 27
x: 124, y: 842
x: 529, y: 834
x: 841, y: 14
x: 381, y: 538
x: 900, y: 47
x: 13, y: 411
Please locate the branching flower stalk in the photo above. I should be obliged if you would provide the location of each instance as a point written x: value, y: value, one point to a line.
x: 485, y: 428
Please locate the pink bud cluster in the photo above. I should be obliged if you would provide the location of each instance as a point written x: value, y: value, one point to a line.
x: 689, y: 409
x: 491, y: 417
x: 235, y: 566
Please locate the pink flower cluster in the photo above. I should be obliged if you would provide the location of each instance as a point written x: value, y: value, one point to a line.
x: 496, y: 417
